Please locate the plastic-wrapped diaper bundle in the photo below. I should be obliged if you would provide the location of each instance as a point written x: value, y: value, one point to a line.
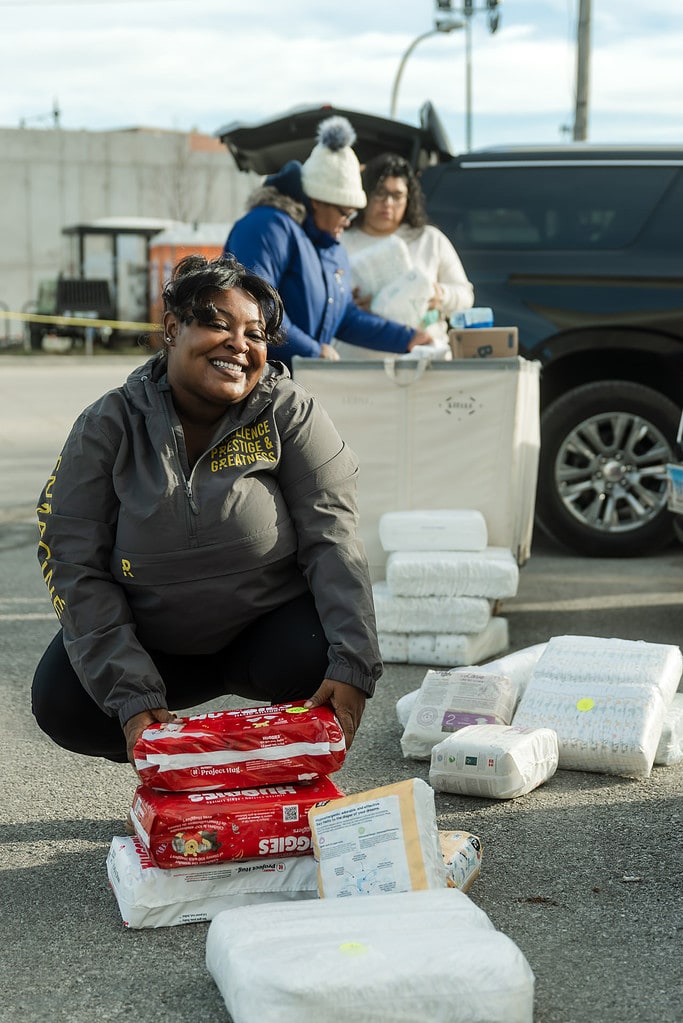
x: 434, y: 529
x: 670, y: 748
x: 184, y: 828
x: 494, y: 761
x: 423, y: 955
x: 379, y: 842
x: 462, y: 857
x: 399, y: 291
x: 150, y: 897
x: 450, y: 700
x: 492, y: 572
x: 237, y: 749
x: 435, y: 605
x: 606, y: 699
x: 225, y: 787
x: 424, y: 614
x: 517, y: 666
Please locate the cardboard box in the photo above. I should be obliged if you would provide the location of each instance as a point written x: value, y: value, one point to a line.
x: 484, y: 342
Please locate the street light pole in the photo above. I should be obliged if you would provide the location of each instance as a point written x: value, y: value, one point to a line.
x: 445, y: 27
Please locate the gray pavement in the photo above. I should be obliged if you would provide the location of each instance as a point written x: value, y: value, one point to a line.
x: 556, y: 862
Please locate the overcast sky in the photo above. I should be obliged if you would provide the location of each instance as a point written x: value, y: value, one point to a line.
x: 204, y: 63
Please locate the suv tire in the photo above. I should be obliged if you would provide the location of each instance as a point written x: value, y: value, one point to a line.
x: 602, y: 472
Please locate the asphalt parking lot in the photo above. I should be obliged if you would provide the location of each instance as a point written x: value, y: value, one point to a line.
x: 584, y: 873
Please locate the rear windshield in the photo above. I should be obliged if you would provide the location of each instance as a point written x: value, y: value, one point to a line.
x: 546, y: 207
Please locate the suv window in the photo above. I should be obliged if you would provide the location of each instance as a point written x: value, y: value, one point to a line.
x: 590, y: 208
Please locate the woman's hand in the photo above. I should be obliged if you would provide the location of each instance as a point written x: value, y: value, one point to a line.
x: 361, y: 300
x: 420, y: 337
x: 135, y: 726
x: 347, y: 702
x: 328, y: 352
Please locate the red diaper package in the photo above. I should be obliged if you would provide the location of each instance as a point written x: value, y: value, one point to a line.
x: 236, y: 749
x: 184, y: 828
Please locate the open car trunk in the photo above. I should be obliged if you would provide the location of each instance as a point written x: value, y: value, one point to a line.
x: 267, y: 146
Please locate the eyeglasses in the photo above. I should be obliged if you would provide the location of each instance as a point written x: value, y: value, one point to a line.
x: 347, y: 215
x: 382, y: 195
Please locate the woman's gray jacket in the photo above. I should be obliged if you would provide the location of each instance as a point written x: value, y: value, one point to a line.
x: 139, y: 553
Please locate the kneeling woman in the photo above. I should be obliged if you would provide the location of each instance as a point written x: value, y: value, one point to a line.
x: 199, y: 534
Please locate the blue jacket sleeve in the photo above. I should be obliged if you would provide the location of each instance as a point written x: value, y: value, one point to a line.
x: 358, y: 327
x: 266, y: 248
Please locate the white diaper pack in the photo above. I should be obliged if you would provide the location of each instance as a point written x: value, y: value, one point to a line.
x: 429, y: 614
x: 150, y: 897
x: 494, y: 761
x: 492, y: 573
x: 449, y: 529
x: 424, y: 955
x: 517, y: 666
x: 445, y: 649
x: 450, y: 700
x: 378, y: 842
x: 462, y: 857
x: 606, y: 699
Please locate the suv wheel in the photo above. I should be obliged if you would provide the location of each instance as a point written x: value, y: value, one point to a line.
x: 602, y: 473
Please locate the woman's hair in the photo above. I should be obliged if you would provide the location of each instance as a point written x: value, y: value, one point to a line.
x: 391, y: 165
x: 195, y: 280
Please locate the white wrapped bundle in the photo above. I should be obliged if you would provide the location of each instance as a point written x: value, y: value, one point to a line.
x: 670, y: 748
x: 428, y: 955
x: 376, y: 265
x: 450, y: 700
x: 378, y: 842
x: 393, y: 647
x: 405, y: 299
x: 462, y: 856
x: 404, y: 705
x: 444, y: 649
x: 447, y: 651
x: 517, y: 666
x: 150, y: 897
x: 433, y: 614
x: 605, y: 698
x: 494, y: 761
x: 492, y: 573
x: 460, y: 529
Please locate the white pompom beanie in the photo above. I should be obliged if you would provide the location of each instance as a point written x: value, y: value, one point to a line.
x: 332, y: 172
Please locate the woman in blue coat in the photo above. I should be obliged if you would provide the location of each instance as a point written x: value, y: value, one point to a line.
x: 291, y: 236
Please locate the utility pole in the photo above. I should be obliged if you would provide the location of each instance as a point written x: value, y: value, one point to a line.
x: 583, y: 42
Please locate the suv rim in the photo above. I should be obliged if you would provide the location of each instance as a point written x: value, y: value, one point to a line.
x: 610, y: 472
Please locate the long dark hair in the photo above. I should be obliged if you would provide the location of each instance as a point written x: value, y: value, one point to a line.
x: 391, y: 165
x: 195, y: 278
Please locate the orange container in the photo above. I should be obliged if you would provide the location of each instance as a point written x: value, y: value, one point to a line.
x: 173, y: 244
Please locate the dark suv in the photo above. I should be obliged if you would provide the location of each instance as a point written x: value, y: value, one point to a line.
x: 580, y: 247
